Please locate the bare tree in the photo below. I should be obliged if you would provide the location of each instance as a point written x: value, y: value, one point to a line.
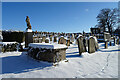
x: 107, y: 19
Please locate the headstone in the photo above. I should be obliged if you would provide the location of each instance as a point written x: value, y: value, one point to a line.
x: 62, y: 40
x: 46, y: 40
x: 91, y: 45
x: 107, y: 36
x: 96, y: 44
x: 81, y: 45
x: 117, y: 40
x: 43, y: 38
x: 106, y: 44
x: 68, y: 42
x: 84, y: 45
x: 50, y: 37
x: 40, y: 40
x: 72, y: 38
x: 36, y: 40
x: 110, y: 43
x: 55, y: 39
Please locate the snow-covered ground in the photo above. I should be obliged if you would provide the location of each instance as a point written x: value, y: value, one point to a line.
x: 101, y: 64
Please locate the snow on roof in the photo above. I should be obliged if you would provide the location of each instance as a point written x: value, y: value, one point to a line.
x: 48, y: 45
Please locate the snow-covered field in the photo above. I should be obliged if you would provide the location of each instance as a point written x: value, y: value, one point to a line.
x: 101, y: 64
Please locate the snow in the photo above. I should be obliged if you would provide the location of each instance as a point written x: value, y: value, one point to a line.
x: 1, y: 37
x: 5, y: 43
x: 28, y: 30
x: 47, y: 45
x: 101, y: 64
x: 79, y: 36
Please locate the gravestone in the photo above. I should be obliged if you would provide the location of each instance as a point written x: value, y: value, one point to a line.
x: 40, y: 40
x: 96, y: 43
x: 62, y: 40
x: 117, y: 40
x: 110, y: 43
x: 72, y: 38
x: 36, y: 40
x: 46, y: 40
x: 107, y: 36
x: 43, y: 38
x: 91, y: 45
x: 50, y: 37
x: 68, y: 42
x: 55, y: 38
x: 106, y: 44
x: 81, y: 45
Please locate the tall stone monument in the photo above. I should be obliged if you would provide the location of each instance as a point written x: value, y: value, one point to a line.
x: 28, y: 33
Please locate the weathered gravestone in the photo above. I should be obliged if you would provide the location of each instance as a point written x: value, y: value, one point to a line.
x: 55, y: 38
x: 84, y: 44
x: 43, y: 38
x: 40, y: 40
x: 36, y: 40
x: 91, y: 45
x: 50, y: 37
x: 106, y: 44
x: 68, y: 42
x: 117, y: 40
x: 110, y: 43
x: 72, y: 38
x: 107, y: 36
x: 96, y: 43
x: 62, y: 40
x: 46, y: 40
x: 81, y: 46
x: 51, y: 53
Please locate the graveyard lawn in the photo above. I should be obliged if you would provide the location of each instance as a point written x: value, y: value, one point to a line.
x: 101, y: 64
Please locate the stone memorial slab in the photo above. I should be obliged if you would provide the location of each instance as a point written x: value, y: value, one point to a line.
x: 46, y: 40
x: 107, y: 36
x: 43, y: 38
x: 91, y: 45
x: 62, y: 40
x: 81, y: 45
x: 47, y: 52
x: 68, y: 42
